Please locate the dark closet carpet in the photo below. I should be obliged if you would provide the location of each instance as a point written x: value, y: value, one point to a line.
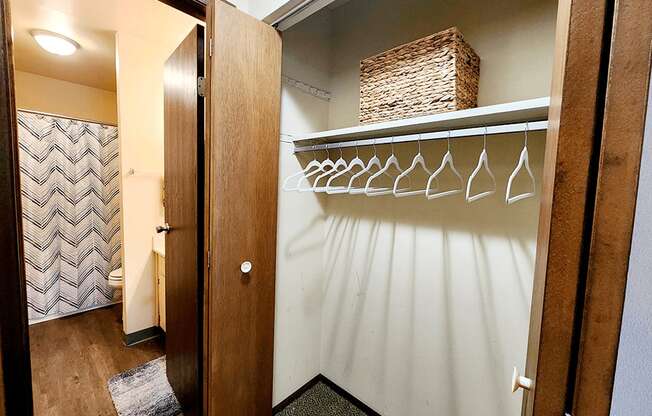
x: 321, y: 400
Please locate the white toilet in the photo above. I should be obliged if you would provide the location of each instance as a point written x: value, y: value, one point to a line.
x: 115, y: 278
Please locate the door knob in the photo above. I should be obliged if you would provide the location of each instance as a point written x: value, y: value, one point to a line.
x: 246, y: 267
x: 520, y: 382
x: 165, y: 228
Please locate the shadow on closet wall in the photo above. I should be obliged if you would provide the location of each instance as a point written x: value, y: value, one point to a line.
x: 419, y: 296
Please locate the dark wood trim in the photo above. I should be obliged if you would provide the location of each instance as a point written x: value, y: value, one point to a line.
x: 615, y: 205
x: 142, y: 335
x: 195, y: 8
x: 14, y: 340
x: 206, y: 204
x: 292, y: 397
x: 563, y: 238
x: 320, y: 378
x: 348, y: 396
x: 201, y: 229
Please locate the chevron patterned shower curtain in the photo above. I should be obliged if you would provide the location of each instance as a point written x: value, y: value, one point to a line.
x: 71, y: 205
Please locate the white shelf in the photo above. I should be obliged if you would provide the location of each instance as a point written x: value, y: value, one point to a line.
x: 533, y: 110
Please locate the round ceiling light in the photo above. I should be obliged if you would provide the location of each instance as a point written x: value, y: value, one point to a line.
x: 55, y: 43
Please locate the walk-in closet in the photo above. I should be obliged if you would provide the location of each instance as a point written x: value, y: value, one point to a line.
x: 416, y: 301
x: 352, y: 207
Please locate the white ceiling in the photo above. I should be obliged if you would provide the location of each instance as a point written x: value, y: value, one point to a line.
x: 93, y: 24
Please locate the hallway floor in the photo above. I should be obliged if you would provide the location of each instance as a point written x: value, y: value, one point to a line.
x: 73, y: 358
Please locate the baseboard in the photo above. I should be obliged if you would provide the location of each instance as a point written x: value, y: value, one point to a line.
x: 142, y: 335
x: 292, y: 397
x: 339, y: 390
x: 77, y: 312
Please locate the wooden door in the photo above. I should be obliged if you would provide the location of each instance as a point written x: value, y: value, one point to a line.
x: 244, y: 71
x: 572, y: 149
x: 184, y: 178
x: 621, y: 144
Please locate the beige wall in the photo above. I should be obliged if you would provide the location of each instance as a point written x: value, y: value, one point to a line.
x: 140, y: 109
x: 49, y: 95
x: 514, y: 40
x: 140, y: 113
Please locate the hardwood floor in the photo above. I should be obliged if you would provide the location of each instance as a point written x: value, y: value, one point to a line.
x: 73, y: 358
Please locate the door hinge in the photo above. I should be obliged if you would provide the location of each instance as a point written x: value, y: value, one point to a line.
x: 208, y: 259
x: 201, y: 86
x: 210, y: 47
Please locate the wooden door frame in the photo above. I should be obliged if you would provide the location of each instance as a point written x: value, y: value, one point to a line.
x: 615, y: 205
x: 572, y: 149
x: 14, y: 341
x: 195, y: 8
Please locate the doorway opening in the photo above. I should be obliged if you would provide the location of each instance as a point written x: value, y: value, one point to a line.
x: 90, y: 88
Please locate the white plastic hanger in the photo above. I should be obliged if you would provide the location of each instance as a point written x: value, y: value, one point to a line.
x: 391, y: 161
x: 522, y: 161
x: 313, y: 164
x: 355, y: 162
x: 417, y: 161
x: 325, y: 165
x: 340, y: 164
x: 447, y: 160
x: 374, y: 162
x: 483, y: 161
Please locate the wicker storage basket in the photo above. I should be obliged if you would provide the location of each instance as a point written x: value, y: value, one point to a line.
x: 431, y: 75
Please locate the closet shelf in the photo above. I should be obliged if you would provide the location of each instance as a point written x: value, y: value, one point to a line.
x: 534, y: 110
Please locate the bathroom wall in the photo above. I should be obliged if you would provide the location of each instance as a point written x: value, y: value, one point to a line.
x: 140, y: 60
x: 424, y: 304
x: 633, y: 379
x: 147, y: 32
x: 38, y: 93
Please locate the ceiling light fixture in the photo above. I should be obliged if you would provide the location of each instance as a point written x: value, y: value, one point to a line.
x: 55, y: 43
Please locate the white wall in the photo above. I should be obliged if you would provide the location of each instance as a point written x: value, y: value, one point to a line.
x: 243, y: 5
x: 424, y: 304
x: 633, y: 380
x: 262, y: 8
x: 299, y: 276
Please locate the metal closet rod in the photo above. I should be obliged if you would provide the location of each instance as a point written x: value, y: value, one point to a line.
x: 438, y: 135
